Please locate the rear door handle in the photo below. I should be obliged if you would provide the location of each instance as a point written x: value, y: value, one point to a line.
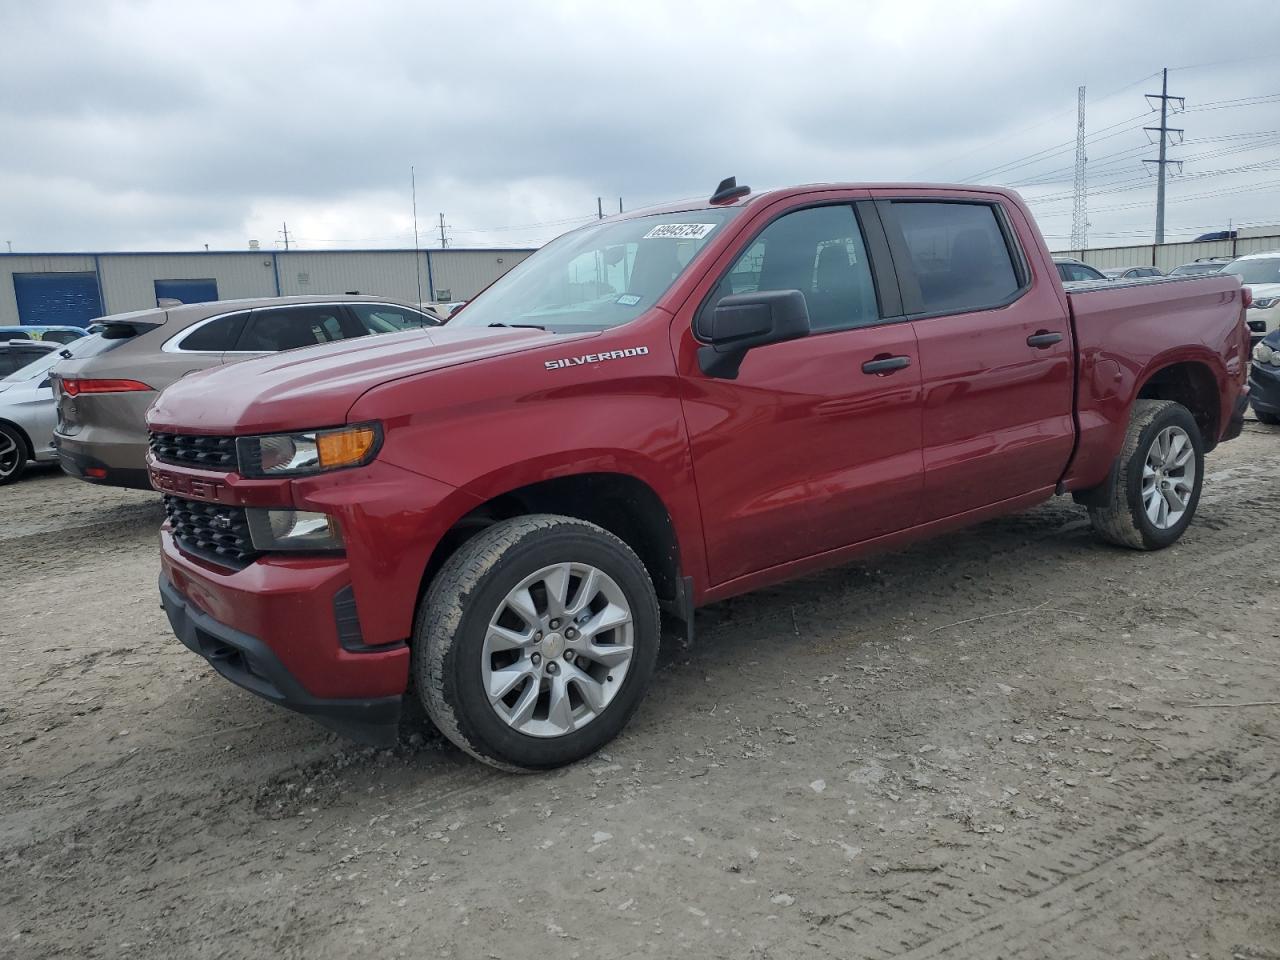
x: 1043, y: 339
x: 883, y: 365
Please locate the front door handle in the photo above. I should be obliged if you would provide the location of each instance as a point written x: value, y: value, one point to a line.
x: 883, y: 365
x: 1043, y: 339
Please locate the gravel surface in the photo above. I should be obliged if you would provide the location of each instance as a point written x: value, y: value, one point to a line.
x: 1010, y: 742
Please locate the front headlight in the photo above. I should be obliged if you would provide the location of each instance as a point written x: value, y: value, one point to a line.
x: 315, y: 451
x: 271, y: 529
x: 1266, y: 303
x: 1265, y: 353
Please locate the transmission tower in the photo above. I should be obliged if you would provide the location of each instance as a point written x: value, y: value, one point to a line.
x: 1080, y: 209
x: 1164, y: 130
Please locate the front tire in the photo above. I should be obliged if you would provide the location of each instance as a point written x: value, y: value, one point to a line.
x: 536, y: 642
x: 1271, y: 419
x: 1158, y: 479
x: 13, y: 455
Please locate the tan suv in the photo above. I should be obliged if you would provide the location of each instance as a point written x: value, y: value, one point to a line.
x: 102, y: 400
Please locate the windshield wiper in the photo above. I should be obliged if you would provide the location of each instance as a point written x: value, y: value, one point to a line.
x: 525, y: 326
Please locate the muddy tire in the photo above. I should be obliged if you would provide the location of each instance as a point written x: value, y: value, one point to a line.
x: 536, y: 642
x: 13, y: 454
x: 1157, y: 481
x: 1270, y: 419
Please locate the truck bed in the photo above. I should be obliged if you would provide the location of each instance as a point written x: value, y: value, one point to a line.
x: 1125, y: 329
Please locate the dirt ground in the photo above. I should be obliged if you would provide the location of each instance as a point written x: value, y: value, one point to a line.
x: 1012, y: 742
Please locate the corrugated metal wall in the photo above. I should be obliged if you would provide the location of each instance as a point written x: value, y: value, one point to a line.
x: 1166, y: 256
x: 127, y: 281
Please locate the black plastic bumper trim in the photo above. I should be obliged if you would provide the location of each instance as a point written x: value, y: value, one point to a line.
x: 1236, y: 424
x: 75, y: 465
x: 249, y: 663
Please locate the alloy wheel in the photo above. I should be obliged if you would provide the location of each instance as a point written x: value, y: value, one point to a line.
x: 1168, y: 477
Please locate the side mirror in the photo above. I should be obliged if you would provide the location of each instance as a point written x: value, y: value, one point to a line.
x: 745, y: 320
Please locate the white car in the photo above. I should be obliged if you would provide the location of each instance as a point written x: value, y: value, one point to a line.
x: 1260, y: 272
x: 28, y: 411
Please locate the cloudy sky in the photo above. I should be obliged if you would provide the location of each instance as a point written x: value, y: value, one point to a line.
x: 170, y: 125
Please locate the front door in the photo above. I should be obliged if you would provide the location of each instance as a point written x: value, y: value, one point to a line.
x: 816, y: 444
x: 995, y: 352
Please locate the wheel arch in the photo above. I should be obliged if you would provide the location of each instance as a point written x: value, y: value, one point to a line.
x: 22, y: 435
x: 621, y: 502
x: 1193, y: 383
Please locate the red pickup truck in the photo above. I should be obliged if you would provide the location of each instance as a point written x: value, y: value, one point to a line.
x: 655, y: 412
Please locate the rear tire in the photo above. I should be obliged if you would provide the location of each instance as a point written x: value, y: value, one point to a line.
x: 1270, y: 419
x: 1157, y: 480
x: 13, y: 454
x: 536, y: 642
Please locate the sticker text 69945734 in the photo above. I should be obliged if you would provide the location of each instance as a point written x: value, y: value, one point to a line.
x: 679, y: 231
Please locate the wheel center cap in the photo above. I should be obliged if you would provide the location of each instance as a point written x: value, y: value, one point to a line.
x: 552, y: 645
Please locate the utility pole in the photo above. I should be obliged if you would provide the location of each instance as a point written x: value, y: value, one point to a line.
x: 10, y: 243
x: 619, y: 204
x: 417, y: 258
x: 1164, y: 130
x: 285, y: 231
x: 444, y: 240
x: 1080, y: 208
x: 599, y: 208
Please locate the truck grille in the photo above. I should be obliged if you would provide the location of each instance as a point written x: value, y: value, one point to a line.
x: 194, y: 450
x: 213, y: 531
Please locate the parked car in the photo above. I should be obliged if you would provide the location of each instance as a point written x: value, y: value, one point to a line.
x: 1199, y: 267
x: 27, y: 406
x: 102, y: 436
x: 15, y: 354
x: 51, y: 332
x: 1264, y: 379
x: 1132, y: 273
x: 1069, y: 268
x: 1260, y: 272
x: 654, y: 412
x: 444, y: 310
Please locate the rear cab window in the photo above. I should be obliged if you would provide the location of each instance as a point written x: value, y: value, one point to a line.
x: 960, y: 255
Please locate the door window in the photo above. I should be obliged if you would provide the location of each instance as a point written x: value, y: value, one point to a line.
x: 818, y: 251
x: 287, y: 328
x: 959, y: 254
x: 215, y: 336
x: 388, y: 318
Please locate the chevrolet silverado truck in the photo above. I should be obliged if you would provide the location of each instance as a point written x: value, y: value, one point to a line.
x: 655, y: 412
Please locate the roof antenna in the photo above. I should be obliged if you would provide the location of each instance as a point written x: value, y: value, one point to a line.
x: 729, y: 190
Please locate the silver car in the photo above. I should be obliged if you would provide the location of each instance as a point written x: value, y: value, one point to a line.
x: 28, y: 410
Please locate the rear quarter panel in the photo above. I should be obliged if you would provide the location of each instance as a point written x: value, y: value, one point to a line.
x: 1126, y: 332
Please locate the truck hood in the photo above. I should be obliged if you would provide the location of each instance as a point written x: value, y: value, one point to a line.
x: 316, y: 386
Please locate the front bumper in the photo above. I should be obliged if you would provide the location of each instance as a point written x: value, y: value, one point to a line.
x: 1264, y: 388
x: 274, y: 628
x: 1261, y: 322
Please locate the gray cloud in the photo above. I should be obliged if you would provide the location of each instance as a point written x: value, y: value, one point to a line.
x: 146, y: 125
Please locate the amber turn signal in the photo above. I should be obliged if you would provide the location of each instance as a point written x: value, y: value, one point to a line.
x: 343, y: 448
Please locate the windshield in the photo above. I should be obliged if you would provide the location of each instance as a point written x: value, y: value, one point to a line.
x: 1265, y: 270
x: 80, y: 347
x: 597, y: 277
x: 1187, y: 268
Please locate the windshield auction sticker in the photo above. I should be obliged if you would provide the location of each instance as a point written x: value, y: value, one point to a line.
x: 679, y: 231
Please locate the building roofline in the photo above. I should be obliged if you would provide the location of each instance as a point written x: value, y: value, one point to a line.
x: 258, y: 253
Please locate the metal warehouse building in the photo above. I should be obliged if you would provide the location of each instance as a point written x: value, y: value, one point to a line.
x: 73, y: 288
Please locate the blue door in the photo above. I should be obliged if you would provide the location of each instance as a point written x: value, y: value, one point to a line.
x: 186, y: 291
x: 70, y: 299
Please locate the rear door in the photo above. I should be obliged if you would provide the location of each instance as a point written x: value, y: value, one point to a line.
x: 995, y: 350
x: 816, y: 443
